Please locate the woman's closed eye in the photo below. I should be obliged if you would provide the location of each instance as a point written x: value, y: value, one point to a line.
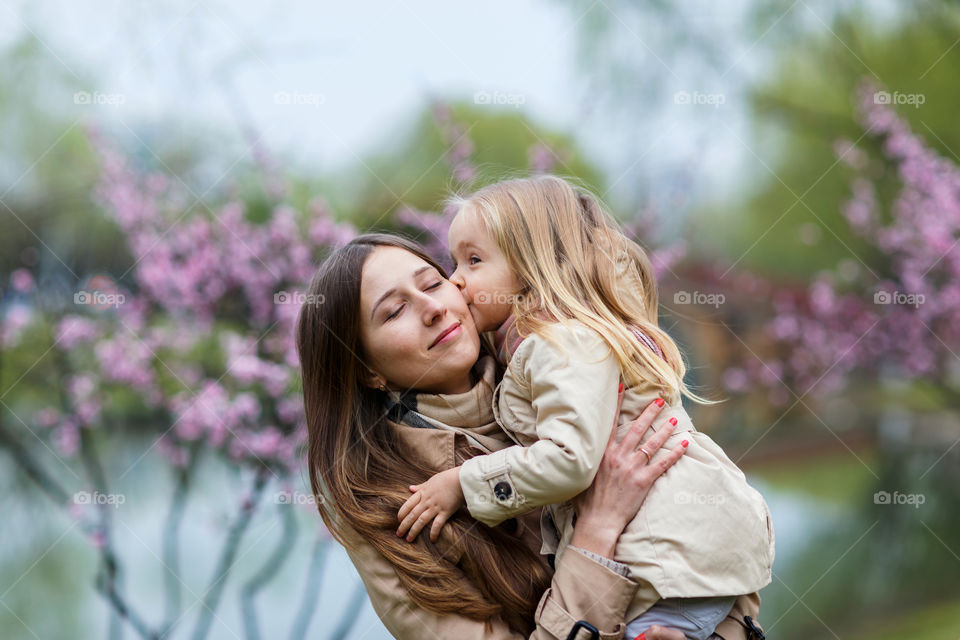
x: 400, y: 308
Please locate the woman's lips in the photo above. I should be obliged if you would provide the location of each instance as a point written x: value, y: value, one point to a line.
x: 448, y: 334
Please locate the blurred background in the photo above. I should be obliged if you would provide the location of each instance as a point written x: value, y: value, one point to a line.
x: 172, y: 173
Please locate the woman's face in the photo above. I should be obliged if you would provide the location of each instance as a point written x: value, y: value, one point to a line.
x: 415, y: 327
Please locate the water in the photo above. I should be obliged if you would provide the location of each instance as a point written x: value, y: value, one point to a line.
x: 47, y: 558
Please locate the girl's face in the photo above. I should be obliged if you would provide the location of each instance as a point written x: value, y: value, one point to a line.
x: 481, y: 271
x: 415, y: 328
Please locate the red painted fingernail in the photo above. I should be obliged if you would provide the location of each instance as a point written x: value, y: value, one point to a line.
x: 673, y: 421
x: 642, y: 636
x: 685, y: 443
x: 659, y: 402
x: 620, y: 388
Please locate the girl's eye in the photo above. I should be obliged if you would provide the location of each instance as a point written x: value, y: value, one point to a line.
x: 472, y: 258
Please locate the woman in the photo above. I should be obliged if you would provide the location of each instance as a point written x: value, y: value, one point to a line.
x: 394, y: 392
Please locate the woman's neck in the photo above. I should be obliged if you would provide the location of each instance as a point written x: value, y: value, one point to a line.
x: 461, y: 385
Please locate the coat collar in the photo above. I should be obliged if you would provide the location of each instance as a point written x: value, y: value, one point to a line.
x: 469, y: 413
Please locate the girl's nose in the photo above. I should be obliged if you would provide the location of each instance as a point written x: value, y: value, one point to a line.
x: 457, y: 280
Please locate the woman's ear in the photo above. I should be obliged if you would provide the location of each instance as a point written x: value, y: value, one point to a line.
x: 374, y: 381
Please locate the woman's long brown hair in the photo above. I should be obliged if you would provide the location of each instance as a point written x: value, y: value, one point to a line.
x: 359, y: 471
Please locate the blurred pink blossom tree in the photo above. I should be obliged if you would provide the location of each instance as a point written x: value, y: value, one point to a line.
x: 897, y: 319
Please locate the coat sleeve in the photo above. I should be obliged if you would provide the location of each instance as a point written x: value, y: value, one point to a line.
x: 582, y: 589
x: 572, y: 388
x: 733, y: 627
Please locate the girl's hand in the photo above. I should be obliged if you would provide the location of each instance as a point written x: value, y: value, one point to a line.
x: 436, y: 499
x: 622, y: 482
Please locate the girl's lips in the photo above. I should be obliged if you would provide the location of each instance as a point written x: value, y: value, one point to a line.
x: 448, y: 335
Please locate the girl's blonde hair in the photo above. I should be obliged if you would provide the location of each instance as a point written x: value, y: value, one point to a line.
x: 575, y: 263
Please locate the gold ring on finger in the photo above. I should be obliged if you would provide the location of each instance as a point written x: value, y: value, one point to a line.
x: 646, y: 453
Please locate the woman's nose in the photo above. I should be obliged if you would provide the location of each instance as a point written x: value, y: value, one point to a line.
x: 432, y: 310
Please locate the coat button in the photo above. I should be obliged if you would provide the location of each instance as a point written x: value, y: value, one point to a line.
x: 502, y: 490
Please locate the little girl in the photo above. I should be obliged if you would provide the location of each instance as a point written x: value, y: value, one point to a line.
x: 573, y: 303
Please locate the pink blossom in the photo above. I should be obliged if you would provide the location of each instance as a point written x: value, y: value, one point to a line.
x: 74, y: 330
x: 47, y: 417
x: 21, y: 280
x: 14, y: 322
x: 905, y: 323
x: 66, y: 438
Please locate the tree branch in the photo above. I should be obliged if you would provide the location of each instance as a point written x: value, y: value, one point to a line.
x: 212, y: 596
x: 173, y: 600
x: 308, y: 605
x: 268, y: 571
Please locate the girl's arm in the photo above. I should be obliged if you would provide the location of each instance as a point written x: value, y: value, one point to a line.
x: 572, y: 388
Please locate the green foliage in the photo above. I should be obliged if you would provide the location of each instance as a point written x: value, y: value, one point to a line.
x: 791, y: 223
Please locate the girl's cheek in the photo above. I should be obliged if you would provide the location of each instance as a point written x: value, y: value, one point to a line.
x: 477, y: 318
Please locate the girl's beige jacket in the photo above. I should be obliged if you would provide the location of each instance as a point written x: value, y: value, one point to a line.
x: 702, y: 530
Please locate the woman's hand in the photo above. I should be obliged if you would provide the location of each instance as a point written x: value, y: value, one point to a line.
x: 656, y: 632
x: 623, y: 481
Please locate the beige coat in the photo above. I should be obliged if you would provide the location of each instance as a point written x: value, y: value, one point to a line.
x: 582, y: 588
x: 702, y: 530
